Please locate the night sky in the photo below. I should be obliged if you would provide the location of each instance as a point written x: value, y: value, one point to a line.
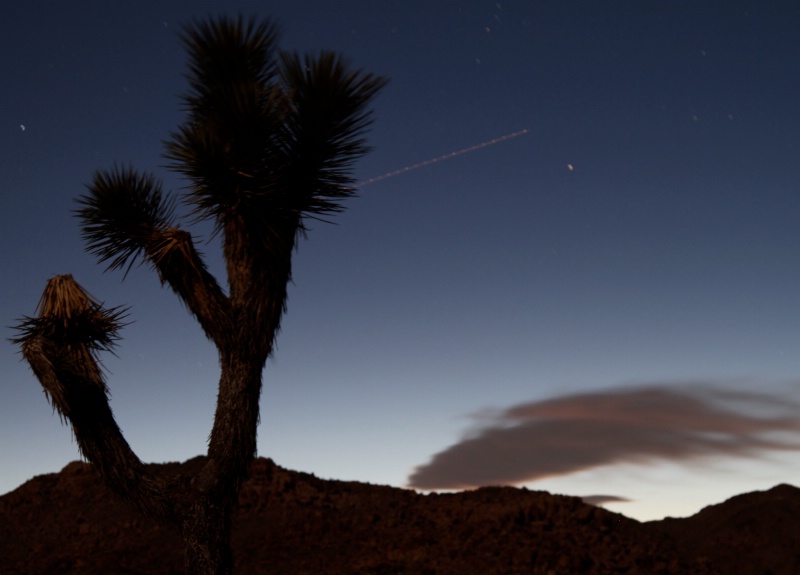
x: 605, y: 305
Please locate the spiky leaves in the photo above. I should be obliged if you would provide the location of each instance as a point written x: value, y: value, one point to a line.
x: 122, y: 214
x: 232, y: 117
x: 231, y: 61
x: 69, y: 316
x: 323, y: 128
x: 270, y: 136
x: 70, y: 328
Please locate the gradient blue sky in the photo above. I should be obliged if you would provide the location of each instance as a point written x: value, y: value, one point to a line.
x: 587, y: 331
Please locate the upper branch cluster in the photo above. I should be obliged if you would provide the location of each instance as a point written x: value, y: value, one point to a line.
x: 269, y: 138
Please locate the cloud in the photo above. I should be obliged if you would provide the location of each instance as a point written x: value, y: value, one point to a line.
x: 603, y: 499
x: 640, y: 425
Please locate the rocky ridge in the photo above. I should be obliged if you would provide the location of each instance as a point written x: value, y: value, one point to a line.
x: 295, y: 523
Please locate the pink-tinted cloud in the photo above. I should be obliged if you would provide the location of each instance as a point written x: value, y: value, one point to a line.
x: 641, y: 425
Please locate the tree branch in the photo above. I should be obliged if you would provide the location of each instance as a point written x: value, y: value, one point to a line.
x: 125, y: 216
x: 178, y: 263
x: 60, y: 346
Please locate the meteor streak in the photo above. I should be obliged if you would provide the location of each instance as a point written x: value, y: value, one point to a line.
x: 441, y: 158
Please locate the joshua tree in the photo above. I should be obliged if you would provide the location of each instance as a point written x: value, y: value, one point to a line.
x: 268, y: 141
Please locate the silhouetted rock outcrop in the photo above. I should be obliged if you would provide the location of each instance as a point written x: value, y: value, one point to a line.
x: 294, y: 523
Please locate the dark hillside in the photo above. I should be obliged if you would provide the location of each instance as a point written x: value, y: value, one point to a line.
x: 293, y: 523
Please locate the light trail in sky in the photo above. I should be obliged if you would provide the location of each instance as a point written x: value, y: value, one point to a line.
x: 441, y: 158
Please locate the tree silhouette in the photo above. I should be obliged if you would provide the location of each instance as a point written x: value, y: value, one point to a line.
x: 268, y: 141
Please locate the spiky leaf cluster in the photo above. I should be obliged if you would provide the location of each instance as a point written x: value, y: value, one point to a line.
x: 121, y: 214
x: 268, y: 136
x: 62, y: 342
x: 69, y: 315
x: 327, y: 115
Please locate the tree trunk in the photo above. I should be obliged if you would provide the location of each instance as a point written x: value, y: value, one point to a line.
x: 206, y: 526
x: 206, y: 534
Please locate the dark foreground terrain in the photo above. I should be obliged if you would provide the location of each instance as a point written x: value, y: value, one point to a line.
x: 294, y: 524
